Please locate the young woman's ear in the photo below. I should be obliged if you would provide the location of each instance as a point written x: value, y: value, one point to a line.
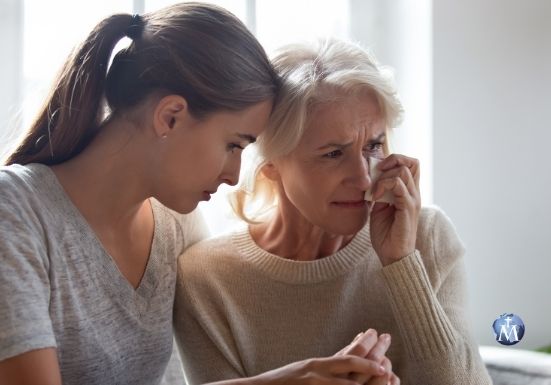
x: 270, y: 171
x: 171, y: 111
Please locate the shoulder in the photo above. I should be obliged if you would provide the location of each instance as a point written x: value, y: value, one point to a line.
x: 438, y: 242
x: 211, y: 260
x: 184, y: 229
x: 207, y: 252
x: 24, y: 196
x: 18, y: 181
x: 436, y: 230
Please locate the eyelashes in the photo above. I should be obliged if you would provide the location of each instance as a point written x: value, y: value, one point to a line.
x: 371, y: 148
x: 333, y: 154
x: 379, y: 146
x: 234, y: 146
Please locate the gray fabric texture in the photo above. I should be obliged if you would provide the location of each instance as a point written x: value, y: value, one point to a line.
x: 59, y: 287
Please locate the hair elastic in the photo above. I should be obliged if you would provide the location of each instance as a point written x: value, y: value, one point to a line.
x: 135, y: 29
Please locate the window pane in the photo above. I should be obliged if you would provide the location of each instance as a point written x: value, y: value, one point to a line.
x: 289, y: 21
x: 51, y: 30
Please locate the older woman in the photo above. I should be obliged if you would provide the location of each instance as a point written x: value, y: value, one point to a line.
x: 318, y: 262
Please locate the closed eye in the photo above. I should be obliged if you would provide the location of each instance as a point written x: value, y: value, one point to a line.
x: 233, y: 146
x: 375, y: 147
x: 333, y: 154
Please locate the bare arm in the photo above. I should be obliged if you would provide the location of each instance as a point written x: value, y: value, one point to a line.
x: 34, y: 367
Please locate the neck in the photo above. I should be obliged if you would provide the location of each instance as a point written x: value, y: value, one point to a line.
x: 289, y: 235
x: 106, y: 181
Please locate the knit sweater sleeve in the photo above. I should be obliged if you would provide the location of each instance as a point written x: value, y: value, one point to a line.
x: 202, y: 333
x: 426, y: 292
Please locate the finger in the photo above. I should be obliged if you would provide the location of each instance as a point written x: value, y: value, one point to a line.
x: 394, y: 160
x: 338, y: 365
x: 411, y: 184
x: 330, y: 380
x: 323, y: 379
x: 403, y: 173
x: 398, y: 189
x: 384, y: 379
x: 381, y: 380
x: 349, y: 346
x: 380, y: 206
x: 394, y: 380
x: 337, y: 381
x: 363, y: 344
x: 378, y: 352
x: 387, y: 364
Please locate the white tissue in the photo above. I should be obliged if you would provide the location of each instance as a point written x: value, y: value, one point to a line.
x: 374, y: 173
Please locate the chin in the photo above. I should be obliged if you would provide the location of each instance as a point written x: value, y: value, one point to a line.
x: 181, y: 207
x: 342, y: 226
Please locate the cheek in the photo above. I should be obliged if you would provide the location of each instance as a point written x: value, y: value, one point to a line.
x: 307, y: 189
x: 208, y: 160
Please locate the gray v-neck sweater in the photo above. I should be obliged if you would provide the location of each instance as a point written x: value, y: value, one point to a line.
x: 59, y: 287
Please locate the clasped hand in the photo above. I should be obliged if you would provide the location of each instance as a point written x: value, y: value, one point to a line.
x: 363, y: 362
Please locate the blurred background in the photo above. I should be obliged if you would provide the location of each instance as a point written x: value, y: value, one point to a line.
x: 475, y: 80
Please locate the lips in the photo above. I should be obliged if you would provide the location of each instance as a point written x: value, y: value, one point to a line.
x: 206, y: 195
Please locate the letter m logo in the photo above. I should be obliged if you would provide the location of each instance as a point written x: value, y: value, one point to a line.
x: 512, y: 333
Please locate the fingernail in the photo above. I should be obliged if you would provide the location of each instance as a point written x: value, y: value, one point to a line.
x: 358, y: 336
x: 381, y: 369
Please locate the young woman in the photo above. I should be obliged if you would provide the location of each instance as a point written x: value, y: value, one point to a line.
x: 96, y: 202
x: 323, y: 261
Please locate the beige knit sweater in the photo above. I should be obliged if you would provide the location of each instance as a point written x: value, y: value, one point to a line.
x: 241, y: 311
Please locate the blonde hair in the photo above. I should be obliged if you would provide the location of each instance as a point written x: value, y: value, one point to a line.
x: 312, y: 73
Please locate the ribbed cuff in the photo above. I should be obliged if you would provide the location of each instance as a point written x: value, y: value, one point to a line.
x: 425, y: 328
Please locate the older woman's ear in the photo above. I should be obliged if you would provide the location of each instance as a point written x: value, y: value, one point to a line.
x: 270, y: 171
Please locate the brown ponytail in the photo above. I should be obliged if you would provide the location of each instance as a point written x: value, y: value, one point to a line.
x: 70, y: 116
x: 199, y: 51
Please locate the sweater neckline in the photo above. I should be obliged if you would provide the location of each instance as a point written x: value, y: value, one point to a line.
x: 356, y: 252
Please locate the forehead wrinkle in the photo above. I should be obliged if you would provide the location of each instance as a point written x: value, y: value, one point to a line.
x: 342, y: 121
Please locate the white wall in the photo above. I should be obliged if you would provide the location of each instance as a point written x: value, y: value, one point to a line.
x: 492, y: 133
x: 398, y: 32
x: 11, y: 75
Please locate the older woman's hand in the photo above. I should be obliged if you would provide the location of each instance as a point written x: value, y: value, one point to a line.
x: 394, y: 227
x: 372, y: 347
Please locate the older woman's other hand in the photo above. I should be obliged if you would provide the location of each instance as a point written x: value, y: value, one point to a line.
x: 389, y: 378
x: 394, y: 227
x: 316, y: 371
x: 372, y: 347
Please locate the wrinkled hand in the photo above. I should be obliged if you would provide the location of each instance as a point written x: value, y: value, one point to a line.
x: 347, y: 367
x: 319, y: 371
x: 394, y: 227
x: 374, y: 348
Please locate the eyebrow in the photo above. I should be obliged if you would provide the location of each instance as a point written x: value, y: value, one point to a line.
x: 247, y: 137
x: 344, y: 145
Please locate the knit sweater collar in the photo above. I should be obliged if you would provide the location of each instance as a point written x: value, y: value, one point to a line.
x: 357, y: 251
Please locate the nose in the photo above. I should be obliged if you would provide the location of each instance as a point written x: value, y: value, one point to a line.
x: 358, y: 176
x: 230, y: 174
